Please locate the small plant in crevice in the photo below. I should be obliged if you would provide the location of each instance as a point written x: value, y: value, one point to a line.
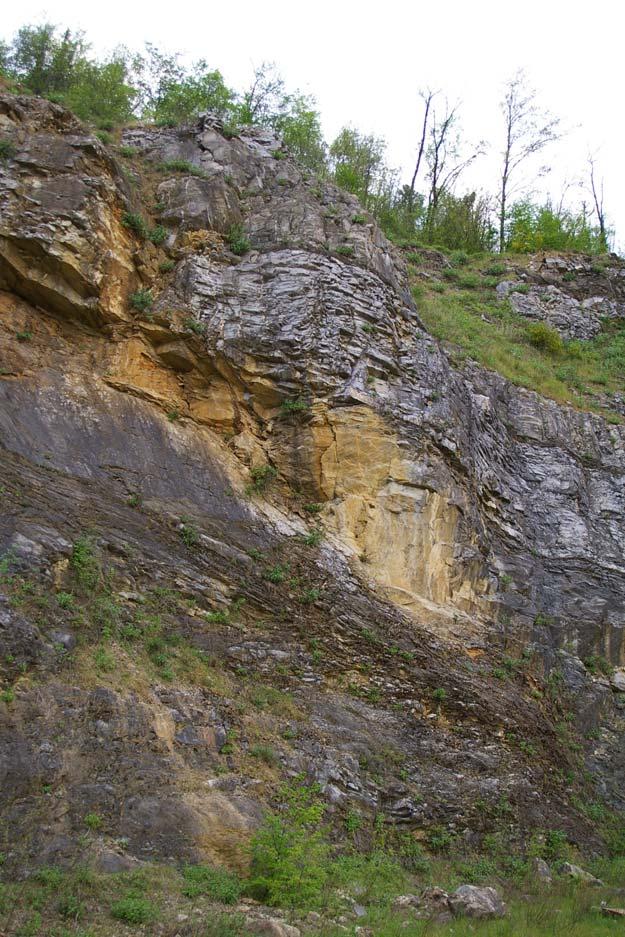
x: 264, y: 753
x: 189, y: 533
x: 237, y: 240
x: 262, y: 476
x: 276, y: 574
x: 85, y: 565
x: 313, y: 538
x: 166, y: 266
x: 310, y: 596
x: 141, y: 300
x: 173, y: 415
x: 182, y: 166
x: 24, y: 336
x: 7, y: 150
x: 294, y: 405
x: 136, y: 223
x: 158, y: 234
x: 93, y: 821
x: 195, y: 326
x: 313, y: 507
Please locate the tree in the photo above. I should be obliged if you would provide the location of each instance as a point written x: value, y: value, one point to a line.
x: 181, y: 100
x: 528, y: 130
x: 533, y: 227
x: 266, y: 97
x: 428, y: 97
x: 300, y: 128
x: 596, y: 188
x: 101, y: 93
x: 358, y: 162
x: 43, y: 62
x: 445, y: 160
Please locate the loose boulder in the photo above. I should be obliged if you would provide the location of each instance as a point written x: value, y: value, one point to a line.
x: 477, y: 902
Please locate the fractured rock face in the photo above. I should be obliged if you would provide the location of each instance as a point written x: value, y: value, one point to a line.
x: 571, y: 317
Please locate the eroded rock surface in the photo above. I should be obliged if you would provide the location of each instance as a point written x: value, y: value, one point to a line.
x: 471, y: 529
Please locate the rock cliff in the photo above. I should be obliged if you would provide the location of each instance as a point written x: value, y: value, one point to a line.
x: 248, y: 501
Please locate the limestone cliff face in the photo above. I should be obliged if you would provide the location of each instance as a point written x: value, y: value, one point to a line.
x: 445, y: 482
x: 455, y: 505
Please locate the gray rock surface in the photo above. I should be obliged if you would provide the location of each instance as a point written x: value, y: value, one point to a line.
x: 477, y: 902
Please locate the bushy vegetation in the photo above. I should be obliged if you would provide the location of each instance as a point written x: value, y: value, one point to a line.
x: 154, y: 86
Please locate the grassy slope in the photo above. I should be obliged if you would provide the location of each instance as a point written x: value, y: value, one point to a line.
x: 460, y: 306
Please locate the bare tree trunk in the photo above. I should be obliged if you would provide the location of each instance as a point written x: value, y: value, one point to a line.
x: 597, y: 195
x: 427, y: 98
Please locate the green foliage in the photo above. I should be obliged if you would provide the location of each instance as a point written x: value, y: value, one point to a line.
x: 310, y: 596
x: 85, y: 565
x: 460, y: 223
x: 166, y: 266
x: 277, y: 573
x: 182, y: 166
x: 218, y: 884
x: 181, y: 97
x: 136, y: 223
x: 189, y: 534
x: 533, y: 227
x: 134, y: 910
x: 313, y: 538
x: 237, y: 240
x: 295, y: 405
x: 439, y: 695
x: 195, y: 326
x: 7, y: 150
x: 93, y: 821
x: 264, y: 753
x: 141, y: 300
x: 550, y: 845
x: 544, y: 337
x: 158, y: 234
x: 262, y: 476
x: 290, y: 852
x: 313, y: 508
x: 100, y: 92
x: 596, y: 663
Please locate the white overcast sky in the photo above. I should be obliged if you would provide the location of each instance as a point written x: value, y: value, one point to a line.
x: 364, y: 63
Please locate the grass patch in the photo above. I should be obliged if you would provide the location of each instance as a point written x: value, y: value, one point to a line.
x: 182, y: 166
x: 488, y: 331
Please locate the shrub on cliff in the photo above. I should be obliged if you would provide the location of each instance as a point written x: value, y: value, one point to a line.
x: 543, y: 336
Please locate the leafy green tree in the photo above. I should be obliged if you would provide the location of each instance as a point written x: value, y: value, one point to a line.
x: 358, y: 163
x: 300, y: 128
x: 462, y: 223
x: 291, y: 853
x: 101, y: 93
x: 43, y: 61
x: 533, y: 227
x: 181, y: 100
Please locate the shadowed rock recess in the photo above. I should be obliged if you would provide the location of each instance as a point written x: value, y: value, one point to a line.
x: 256, y: 509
